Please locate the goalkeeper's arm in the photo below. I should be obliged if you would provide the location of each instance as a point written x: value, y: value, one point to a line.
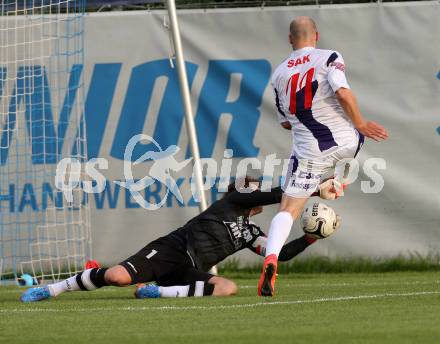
x: 295, y: 247
x: 289, y: 251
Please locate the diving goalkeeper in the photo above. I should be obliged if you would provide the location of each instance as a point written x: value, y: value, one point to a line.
x: 179, y: 262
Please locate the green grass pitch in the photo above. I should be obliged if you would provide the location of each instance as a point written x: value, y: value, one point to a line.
x: 401, y: 307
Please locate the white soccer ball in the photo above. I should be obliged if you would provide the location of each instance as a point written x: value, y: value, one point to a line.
x: 319, y: 220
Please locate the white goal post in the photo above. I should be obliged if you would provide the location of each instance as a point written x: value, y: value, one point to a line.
x: 186, y: 98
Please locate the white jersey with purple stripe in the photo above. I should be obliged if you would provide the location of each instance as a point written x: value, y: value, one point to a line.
x: 305, y: 85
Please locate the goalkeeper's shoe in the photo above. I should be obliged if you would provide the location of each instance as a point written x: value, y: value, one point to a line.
x: 147, y: 291
x: 266, y: 284
x: 35, y: 294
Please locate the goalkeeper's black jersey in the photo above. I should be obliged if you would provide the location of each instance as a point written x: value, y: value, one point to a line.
x: 223, y: 228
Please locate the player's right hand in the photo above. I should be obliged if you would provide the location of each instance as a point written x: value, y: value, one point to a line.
x: 373, y: 130
x: 331, y: 189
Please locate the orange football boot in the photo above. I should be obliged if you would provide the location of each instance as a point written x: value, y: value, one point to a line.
x: 266, y: 284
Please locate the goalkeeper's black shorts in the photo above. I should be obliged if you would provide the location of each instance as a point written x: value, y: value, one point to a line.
x: 162, y: 262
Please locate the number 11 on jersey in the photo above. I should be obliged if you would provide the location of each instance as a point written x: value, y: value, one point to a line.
x: 300, y: 97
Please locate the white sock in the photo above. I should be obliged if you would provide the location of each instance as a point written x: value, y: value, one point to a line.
x: 69, y: 284
x: 174, y: 291
x: 197, y: 288
x: 278, y: 232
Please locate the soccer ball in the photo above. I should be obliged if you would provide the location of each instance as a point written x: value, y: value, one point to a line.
x: 319, y: 220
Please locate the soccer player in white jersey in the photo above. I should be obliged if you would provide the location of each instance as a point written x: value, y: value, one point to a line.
x: 314, y: 101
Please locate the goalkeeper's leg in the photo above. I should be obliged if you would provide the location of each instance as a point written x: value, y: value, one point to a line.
x: 92, y: 279
x: 198, y: 284
x: 87, y: 280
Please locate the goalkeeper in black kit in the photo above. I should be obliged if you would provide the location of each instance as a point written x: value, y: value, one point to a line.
x: 179, y: 262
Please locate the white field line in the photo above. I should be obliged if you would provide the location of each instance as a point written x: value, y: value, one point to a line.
x: 297, y: 285
x: 217, y: 307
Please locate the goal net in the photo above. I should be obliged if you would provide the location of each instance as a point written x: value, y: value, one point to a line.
x: 41, y: 122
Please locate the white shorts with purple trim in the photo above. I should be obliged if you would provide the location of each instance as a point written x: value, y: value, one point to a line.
x: 304, y: 175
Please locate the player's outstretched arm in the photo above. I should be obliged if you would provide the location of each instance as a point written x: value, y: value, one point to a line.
x: 295, y: 247
x: 369, y: 129
x: 255, y: 198
x: 289, y: 250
